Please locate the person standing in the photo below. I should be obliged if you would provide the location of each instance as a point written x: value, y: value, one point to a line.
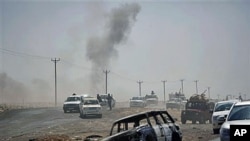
x: 109, y: 98
x: 99, y: 98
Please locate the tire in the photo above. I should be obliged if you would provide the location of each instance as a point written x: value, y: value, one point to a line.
x: 202, y: 121
x: 176, y: 137
x: 100, y: 116
x: 183, y: 121
x: 193, y: 121
x: 65, y: 111
x: 216, y: 131
x: 81, y: 115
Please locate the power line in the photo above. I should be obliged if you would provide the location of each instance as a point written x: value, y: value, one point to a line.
x: 16, y: 53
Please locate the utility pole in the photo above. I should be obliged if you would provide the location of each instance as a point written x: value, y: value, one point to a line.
x: 139, y: 82
x: 182, y: 86
x: 196, y: 81
x: 106, y: 73
x: 208, y: 89
x: 55, y: 61
x: 164, y: 81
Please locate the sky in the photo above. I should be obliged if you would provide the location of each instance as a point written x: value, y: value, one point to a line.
x: 148, y: 41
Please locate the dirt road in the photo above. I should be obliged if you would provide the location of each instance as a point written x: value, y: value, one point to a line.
x: 48, y: 123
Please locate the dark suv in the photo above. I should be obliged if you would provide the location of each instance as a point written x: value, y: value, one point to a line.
x: 197, y: 111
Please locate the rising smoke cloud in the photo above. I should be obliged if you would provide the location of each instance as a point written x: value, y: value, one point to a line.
x: 100, y: 50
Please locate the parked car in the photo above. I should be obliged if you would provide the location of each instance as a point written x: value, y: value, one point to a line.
x: 72, y: 103
x: 221, y: 109
x: 239, y: 115
x: 137, y: 101
x: 146, y: 126
x: 90, y: 106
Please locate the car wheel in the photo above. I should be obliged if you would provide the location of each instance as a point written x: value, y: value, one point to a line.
x: 65, y: 111
x: 183, y: 121
x: 216, y: 131
x: 202, y: 120
x: 193, y: 121
x: 176, y: 136
x: 81, y: 115
x: 100, y: 116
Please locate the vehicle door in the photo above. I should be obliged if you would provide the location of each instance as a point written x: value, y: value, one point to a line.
x: 160, y: 129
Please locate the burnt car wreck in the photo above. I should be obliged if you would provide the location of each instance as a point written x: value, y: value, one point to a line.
x: 146, y: 126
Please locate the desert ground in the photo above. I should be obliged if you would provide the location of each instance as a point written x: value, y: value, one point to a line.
x: 50, y: 123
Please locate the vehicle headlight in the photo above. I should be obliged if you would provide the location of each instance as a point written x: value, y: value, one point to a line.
x: 225, y: 132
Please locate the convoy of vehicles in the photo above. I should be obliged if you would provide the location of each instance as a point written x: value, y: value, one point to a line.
x: 198, y: 109
x: 221, y: 109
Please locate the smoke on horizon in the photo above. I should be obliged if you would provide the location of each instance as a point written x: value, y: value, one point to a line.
x: 100, y: 50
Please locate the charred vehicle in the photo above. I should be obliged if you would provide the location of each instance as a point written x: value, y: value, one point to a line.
x: 197, y: 109
x: 146, y: 126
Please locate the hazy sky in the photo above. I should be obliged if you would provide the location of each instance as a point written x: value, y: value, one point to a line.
x: 165, y: 40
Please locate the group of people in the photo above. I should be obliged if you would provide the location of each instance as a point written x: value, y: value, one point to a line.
x: 109, y: 100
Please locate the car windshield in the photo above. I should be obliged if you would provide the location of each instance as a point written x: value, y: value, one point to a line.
x: 137, y: 98
x: 90, y: 102
x: 73, y: 99
x: 223, y: 106
x: 239, y: 113
x: 104, y: 96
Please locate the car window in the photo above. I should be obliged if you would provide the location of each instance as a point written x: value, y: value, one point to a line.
x: 143, y: 122
x: 73, y: 99
x: 159, y: 119
x: 166, y: 118
x: 90, y: 102
x: 223, y: 106
x: 239, y: 113
x: 152, y: 120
